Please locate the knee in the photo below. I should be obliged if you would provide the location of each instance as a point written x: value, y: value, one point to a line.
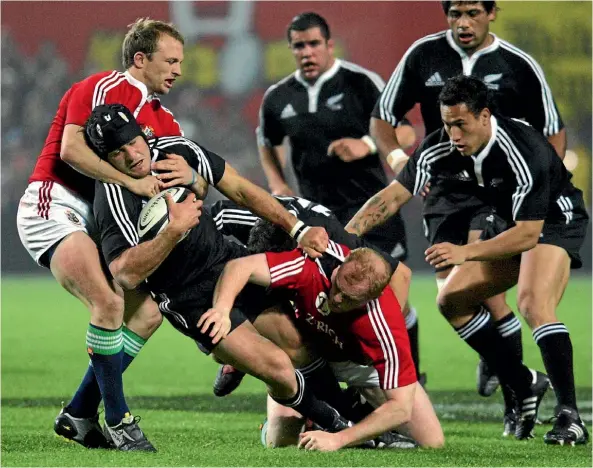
x: 108, y: 310
x: 436, y: 441
x: 278, y: 372
x: 526, y: 303
x: 446, y: 303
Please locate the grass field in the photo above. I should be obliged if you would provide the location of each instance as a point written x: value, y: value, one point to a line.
x: 169, y: 385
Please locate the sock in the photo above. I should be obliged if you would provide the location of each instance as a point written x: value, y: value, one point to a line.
x: 509, y: 328
x: 320, y: 378
x: 306, y: 403
x: 106, y: 349
x: 412, y: 327
x: 85, y: 402
x: 481, y: 335
x: 554, y: 343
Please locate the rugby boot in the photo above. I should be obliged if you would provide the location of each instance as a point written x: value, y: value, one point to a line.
x: 568, y: 429
x: 127, y: 435
x: 528, y: 406
x: 227, y: 380
x: 85, y: 431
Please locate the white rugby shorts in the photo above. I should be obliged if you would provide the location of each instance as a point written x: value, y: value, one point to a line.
x: 355, y: 375
x: 48, y: 212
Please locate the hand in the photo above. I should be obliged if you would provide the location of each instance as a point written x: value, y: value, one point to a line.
x: 319, y: 440
x: 220, y: 321
x: 424, y: 191
x: 315, y: 241
x: 348, y: 149
x: 445, y: 254
x: 148, y: 186
x: 185, y: 215
x: 282, y: 190
x: 174, y: 171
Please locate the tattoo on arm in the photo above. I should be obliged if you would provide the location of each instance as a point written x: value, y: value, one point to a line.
x: 374, y: 213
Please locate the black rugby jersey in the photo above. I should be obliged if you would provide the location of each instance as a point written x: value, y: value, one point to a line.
x: 200, y: 257
x: 518, y: 83
x: 338, y: 105
x: 518, y: 173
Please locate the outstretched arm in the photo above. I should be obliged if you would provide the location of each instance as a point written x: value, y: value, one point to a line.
x: 396, y: 410
x: 379, y: 209
x: 314, y: 240
x: 235, y: 276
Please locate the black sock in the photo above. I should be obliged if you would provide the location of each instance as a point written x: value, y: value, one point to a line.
x: 306, y: 403
x: 481, y: 335
x: 554, y: 343
x: 320, y: 378
x: 509, y: 328
x: 412, y: 327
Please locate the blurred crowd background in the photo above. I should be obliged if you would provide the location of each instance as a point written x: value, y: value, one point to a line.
x: 234, y: 51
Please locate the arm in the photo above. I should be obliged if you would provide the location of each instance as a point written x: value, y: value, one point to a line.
x: 379, y: 209
x: 387, y: 142
x: 242, y: 191
x: 520, y: 238
x: 137, y: 263
x: 400, y: 283
x: 558, y: 141
x: 396, y: 410
x: 236, y: 274
x: 273, y: 160
x: 75, y: 152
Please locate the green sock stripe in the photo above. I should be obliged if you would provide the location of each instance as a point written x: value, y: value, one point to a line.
x: 106, y: 342
x: 132, y: 342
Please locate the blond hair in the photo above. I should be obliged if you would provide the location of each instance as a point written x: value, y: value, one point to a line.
x: 143, y: 36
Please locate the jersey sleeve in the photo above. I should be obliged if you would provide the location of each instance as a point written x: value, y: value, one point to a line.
x: 116, y: 212
x: 531, y: 199
x: 371, y: 90
x: 206, y: 163
x: 289, y: 270
x: 270, y: 131
x: 382, y: 338
x: 400, y: 93
x: 540, y: 108
x: 233, y: 220
x: 80, y: 104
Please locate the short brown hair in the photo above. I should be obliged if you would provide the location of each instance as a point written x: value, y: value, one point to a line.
x: 368, y: 267
x: 143, y: 36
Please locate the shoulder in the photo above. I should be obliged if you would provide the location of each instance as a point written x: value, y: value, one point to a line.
x: 280, y: 87
x: 358, y: 73
x: 518, y: 136
x: 427, y: 43
x: 517, y: 56
x: 437, y: 142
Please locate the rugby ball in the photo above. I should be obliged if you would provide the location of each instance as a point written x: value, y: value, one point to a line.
x: 154, y: 217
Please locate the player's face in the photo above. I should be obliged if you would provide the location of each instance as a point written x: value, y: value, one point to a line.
x: 313, y: 54
x: 470, y: 24
x: 344, y: 297
x: 132, y: 158
x: 164, y: 67
x: 469, y: 133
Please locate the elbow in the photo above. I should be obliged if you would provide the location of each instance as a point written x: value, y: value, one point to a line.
x: 127, y: 280
x: 67, y: 152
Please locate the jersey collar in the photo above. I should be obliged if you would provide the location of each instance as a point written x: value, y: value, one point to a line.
x: 479, y: 159
x: 329, y: 74
x: 141, y: 86
x: 467, y: 61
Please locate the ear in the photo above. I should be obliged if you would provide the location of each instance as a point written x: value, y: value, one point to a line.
x: 492, y: 15
x: 140, y: 59
x: 330, y: 46
x: 485, y: 116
